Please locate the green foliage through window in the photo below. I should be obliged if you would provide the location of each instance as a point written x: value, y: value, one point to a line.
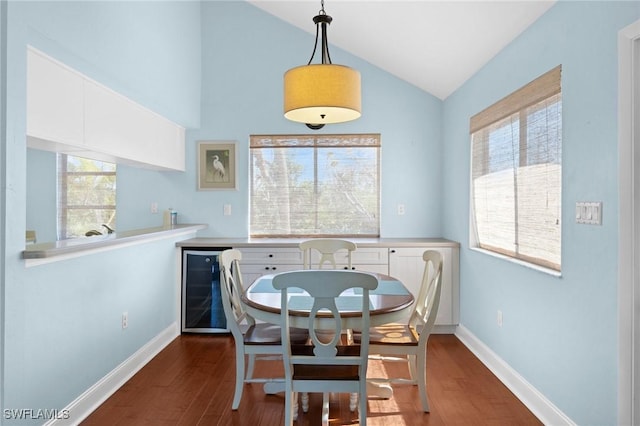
x: 86, y: 196
x: 305, y: 185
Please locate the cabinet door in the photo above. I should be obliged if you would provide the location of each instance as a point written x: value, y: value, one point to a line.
x: 407, y: 265
x: 54, y: 102
x: 371, y: 260
x: 117, y: 126
x: 252, y: 272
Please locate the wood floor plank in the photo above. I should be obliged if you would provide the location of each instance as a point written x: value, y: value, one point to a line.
x: 191, y: 382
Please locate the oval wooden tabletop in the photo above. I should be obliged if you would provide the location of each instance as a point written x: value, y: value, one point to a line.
x: 389, y: 302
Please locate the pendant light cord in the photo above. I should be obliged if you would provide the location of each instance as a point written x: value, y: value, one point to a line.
x: 321, y: 20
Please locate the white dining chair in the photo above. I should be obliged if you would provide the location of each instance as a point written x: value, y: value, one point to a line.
x: 326, y: 365
x: 408, y: 342
x: 253, y: 340
x: 327, y: 249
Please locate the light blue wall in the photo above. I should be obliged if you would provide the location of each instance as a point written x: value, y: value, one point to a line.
x: 42, y: 206
x: 558, y: 333
x: 242, y: 72
x: 61, y: 330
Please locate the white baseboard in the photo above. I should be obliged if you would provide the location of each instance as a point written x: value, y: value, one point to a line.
x: 535, y: 401
x: 444, y: 329
x: 85, y: 404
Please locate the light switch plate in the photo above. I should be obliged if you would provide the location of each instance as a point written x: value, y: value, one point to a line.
x: 589, y: 212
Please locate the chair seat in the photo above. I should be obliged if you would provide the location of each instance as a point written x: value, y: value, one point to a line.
x: 270, y: 334
x: 391, y: 334
x: 325, y: 372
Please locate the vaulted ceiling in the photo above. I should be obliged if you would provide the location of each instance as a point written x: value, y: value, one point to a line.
x: 434, y: 45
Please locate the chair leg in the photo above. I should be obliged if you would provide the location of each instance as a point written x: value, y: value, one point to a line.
x: 362, y: 408
x: 421, y: 366
x: 237, y: 396
x: 413, y: 370
x: 290, y: 404
x: 252, y: 362
x: 353, y: 401
x: 305, y: 401
x: 325, y: 408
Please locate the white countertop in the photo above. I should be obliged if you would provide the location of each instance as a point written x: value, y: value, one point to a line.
x: 293, y: 242
x: 77, y: 245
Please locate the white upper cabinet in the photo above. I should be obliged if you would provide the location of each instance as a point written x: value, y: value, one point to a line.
x: 55, y: 101
x: 68, y: 112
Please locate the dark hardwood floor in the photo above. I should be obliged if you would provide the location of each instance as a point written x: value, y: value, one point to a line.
x: 191, y: 382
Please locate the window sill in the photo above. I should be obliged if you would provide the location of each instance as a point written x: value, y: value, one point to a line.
x: 519, y: 262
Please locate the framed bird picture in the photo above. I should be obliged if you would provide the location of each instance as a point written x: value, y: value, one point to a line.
x: 216, y: 165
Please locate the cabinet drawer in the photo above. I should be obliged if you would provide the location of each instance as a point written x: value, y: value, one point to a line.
x: 272, y: 256
x: 361, y: 256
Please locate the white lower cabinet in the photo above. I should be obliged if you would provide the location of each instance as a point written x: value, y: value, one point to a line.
x: 406, y: 264
x: 266, y: 260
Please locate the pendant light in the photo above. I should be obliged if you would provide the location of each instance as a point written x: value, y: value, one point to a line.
x: 325, y: 93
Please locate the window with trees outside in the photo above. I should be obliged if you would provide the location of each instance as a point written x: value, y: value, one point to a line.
x: 86, y: 196
x: 306, y: 185
x: 516, y: 174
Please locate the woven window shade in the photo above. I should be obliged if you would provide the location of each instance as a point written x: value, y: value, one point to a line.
x: 517, y: 173
x: 539, y: 89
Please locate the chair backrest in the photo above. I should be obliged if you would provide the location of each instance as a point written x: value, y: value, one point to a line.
x: 425, y: 311
x: 325, y: 287
x: 231, y: 290
x: 327, y: 248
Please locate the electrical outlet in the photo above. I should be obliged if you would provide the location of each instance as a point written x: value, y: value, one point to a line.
x: 400, y: 209
x: 125, y: 320
x: 154, y: 207
x: 227, y: 209
x: 499, y: 318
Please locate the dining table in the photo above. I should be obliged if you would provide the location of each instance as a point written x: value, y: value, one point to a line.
x: 390, y: 302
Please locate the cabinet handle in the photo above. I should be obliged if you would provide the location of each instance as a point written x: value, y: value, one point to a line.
x: 273, y: 268
x: 270, y: 255
x: 393, y: 250
x: 266, y: 268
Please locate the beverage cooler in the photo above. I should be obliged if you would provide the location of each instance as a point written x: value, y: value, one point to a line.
x: 202, y: 310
